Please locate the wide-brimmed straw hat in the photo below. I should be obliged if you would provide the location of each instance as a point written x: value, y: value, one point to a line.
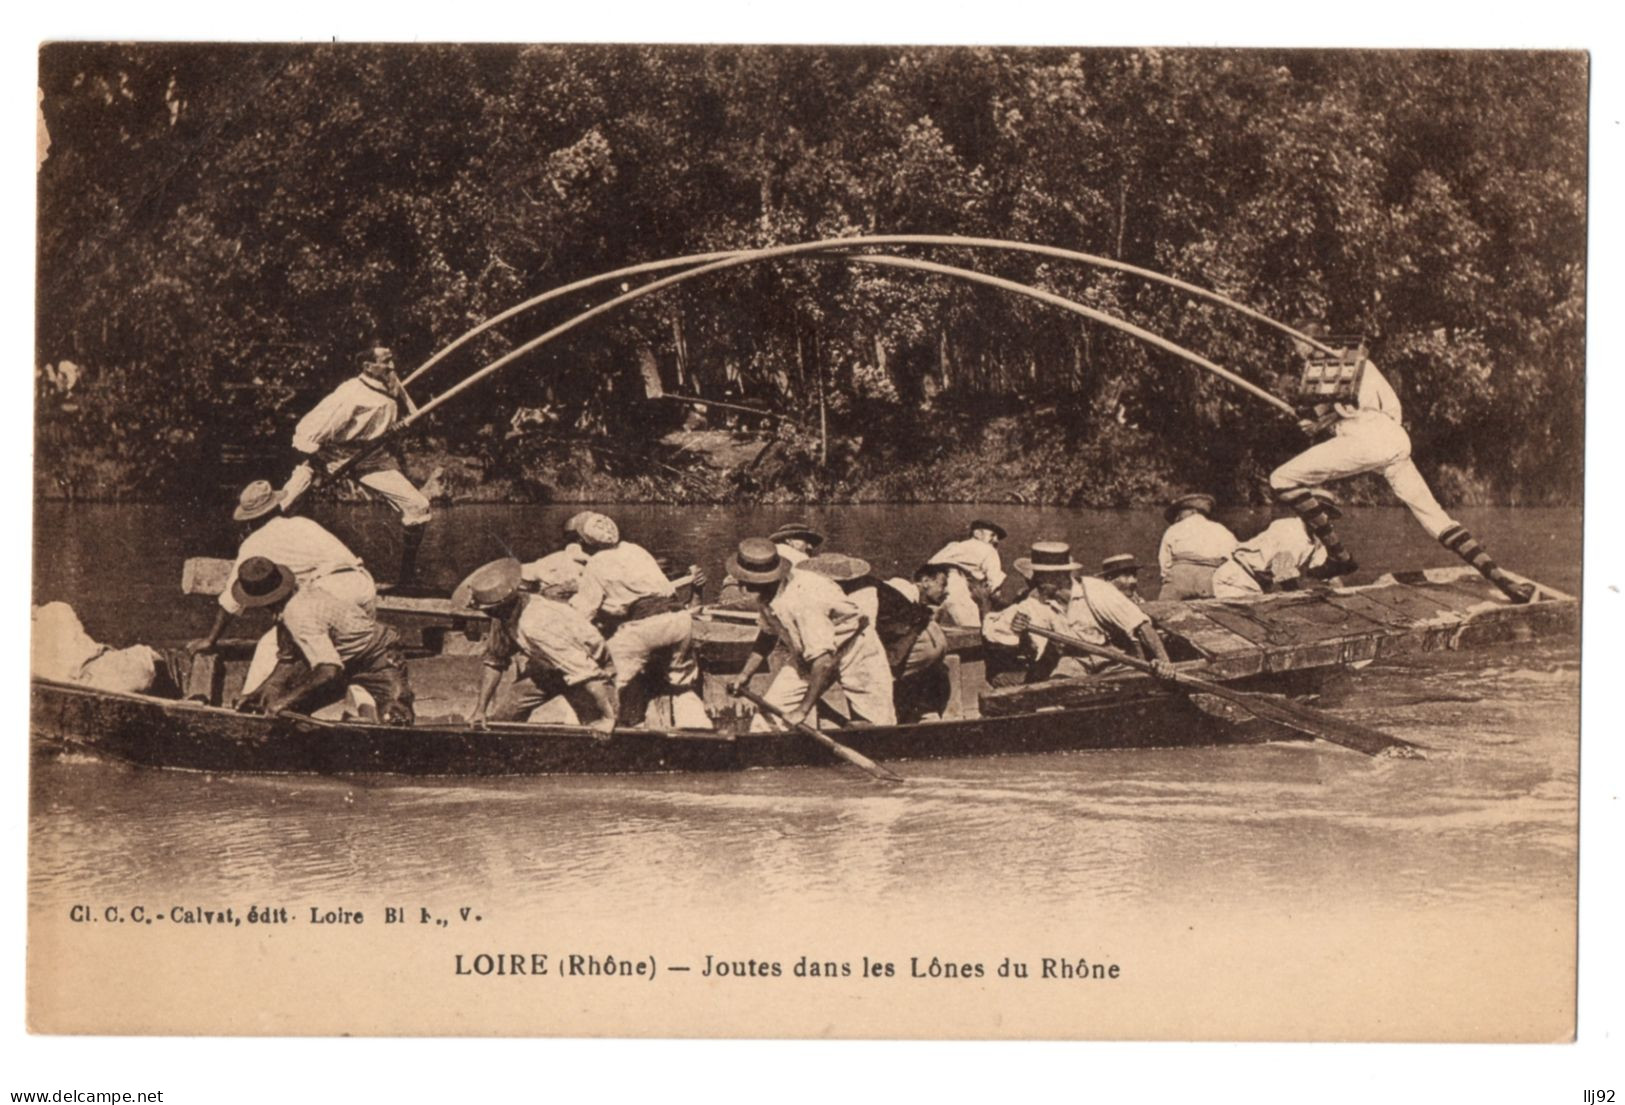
x: 797, y: 529
x: 257, y: 500
x: 1048, y: 556
x: 1123, y: 564
x: 837, y: 566
x: 261, y: 582
x: 599, y: 529
x: 758, y: 561
x: 1197, y: 502
x: 983, y: 523
x: 488, y: 586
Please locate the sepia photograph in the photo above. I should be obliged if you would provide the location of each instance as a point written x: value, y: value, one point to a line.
x: 862, y: 542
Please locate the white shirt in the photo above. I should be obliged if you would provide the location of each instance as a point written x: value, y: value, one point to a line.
x: 1197, y: 539
x: 297, y: 543
x: 357, y: 410
x: 1042, y: 612
x: 327, y: 630
x: 1377, y: 394
x: 974, y: 557
x: 790, y: 553
x: 1095, y: 605
x: 557, y: 569
x: 553, y: 635
x: 1284, y: 550
x: 615, y: 578
x: 812, y: 615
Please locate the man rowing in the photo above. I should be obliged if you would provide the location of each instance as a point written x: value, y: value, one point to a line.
x: 915, y: 644
x: 1347, y: 395
x: 1082, y: 607
x: 561, y: 656
x: 325, y: 644
x: 304, y: 547
x: 977, y: 573
x: 1279, y: 558
x: 648, y: 627
x: 830, y: 641
x: 359, y: 411
x: 1192, y: 546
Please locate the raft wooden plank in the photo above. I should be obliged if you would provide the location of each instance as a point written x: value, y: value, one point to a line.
x: 1060, y: 694
x: 1229, y: 655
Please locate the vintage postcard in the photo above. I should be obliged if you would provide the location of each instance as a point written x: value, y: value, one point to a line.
x: 860, y: 542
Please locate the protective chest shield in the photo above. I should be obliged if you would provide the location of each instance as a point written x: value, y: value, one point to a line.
x: 1335, y: 377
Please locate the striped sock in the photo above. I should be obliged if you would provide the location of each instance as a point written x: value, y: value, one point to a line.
x: 1459, y: 541
x: 1317, y: 519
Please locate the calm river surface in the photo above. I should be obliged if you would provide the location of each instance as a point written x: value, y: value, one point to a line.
x: 1488, y: 822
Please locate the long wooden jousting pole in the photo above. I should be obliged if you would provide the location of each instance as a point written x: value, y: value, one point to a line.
x: 947, y: 240
x: 755, y: 256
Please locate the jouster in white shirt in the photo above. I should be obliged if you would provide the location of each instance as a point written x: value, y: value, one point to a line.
x: 975, y: 558
x: 813, y: 616
x: 615, y: 578
x: 1284, y: 550
x: 298, y: 544
x: 358, y: 410
x: 1195, y: 539
x: 1041, y: 612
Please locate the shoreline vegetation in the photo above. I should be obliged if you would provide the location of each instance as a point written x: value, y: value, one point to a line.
x: 224, y: 228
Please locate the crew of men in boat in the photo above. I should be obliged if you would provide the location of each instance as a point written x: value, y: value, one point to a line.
x: 597, y: 632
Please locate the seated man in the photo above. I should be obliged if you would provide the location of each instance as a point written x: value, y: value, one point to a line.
x: 1192, y: 546
x: 915, y: 645
x: 796, y: 541
x: 1122, y: 572
x: 324, y: 644
x: 647, y: 627
x: 829, y: 640
x: 560, y: 655
x: 1277, y: 559
x: 976, y: 573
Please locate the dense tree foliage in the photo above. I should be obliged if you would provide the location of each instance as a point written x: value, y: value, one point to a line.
x: 223, y: 229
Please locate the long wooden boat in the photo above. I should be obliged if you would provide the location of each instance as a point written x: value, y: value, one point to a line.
x: 1271, y: 643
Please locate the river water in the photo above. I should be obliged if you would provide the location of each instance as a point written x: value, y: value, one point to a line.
x: 1487, y: 822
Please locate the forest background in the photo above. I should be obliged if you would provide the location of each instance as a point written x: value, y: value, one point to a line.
x: 223, y: 229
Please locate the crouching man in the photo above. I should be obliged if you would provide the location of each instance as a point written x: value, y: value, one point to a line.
x: 324, y: 645
x: 561, y: 658
x: 829, y: 640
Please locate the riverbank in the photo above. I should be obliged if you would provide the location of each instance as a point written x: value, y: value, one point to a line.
x: 1035, y: 458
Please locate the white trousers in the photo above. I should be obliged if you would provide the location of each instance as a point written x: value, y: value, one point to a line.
x: 355, y: 586
x: 1368, y: 442
x: 390, y: 484
x: 864, y: 677
x: 631, y: 646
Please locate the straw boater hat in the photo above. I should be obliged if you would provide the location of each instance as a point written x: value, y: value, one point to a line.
x: 836, y: 566
x: 983, y: 523
x: 797, y: 529
x: 258, y: 499
x: 1048, y: 556
x: 260, y: 582
x: 599, y: 529
x: 1198, y: 502
x: 757, y: 561
x: 1123, y: 564
x: 487, y: 587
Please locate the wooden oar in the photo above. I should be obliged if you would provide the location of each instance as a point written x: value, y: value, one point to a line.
x: 851, y: 756
x: 1305, y: 719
